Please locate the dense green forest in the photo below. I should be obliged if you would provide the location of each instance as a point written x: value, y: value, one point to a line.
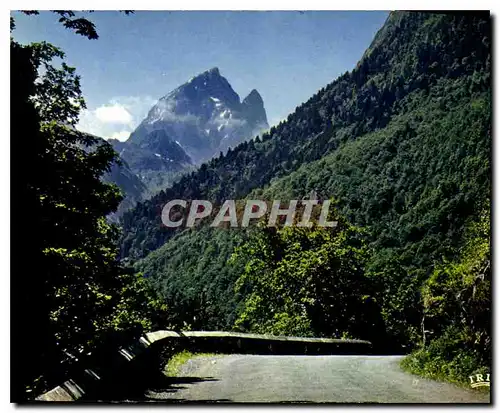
x: 403, y: 144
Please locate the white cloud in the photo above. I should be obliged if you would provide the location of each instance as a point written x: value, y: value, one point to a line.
x: 113, y: 114
x: 121, y: 136
x: 117, y: 118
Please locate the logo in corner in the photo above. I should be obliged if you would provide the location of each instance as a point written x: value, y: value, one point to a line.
x: 480, y: 380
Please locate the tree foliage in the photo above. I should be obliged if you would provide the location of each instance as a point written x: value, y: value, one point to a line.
x: 456, y: 322
x: 69, y: 292
x: 194, y: 277
x: 307, y: 282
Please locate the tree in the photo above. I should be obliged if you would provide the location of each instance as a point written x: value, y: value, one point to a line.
x: 307, y: 282
x: 67, y: 282
x: 456, y: 322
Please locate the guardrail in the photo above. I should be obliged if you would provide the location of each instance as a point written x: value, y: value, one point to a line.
x: 125, y: 362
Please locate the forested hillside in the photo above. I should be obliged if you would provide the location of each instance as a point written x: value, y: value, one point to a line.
x: 412, y: 53
x: 403, y: 144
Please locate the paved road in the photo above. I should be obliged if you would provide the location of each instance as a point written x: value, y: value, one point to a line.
x: 340, y: 379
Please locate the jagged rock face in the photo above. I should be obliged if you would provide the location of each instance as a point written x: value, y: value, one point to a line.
x: 253, y: 108
x: 156, y: 152
x: 204, y: 116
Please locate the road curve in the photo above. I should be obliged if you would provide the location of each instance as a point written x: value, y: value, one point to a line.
x: 316, y: 379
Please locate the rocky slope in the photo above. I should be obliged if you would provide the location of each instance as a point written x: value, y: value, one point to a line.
x: 203, y: 116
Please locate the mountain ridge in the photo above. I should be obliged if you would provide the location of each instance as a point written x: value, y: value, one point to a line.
x: 204, y: 116
x: 192, y: 123
x: 401, y: 142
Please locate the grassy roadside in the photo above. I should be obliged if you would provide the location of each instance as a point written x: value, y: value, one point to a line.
x: 179, y: 359
x: 421, y: 364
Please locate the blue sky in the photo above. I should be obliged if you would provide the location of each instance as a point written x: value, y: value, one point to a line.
x: 286, y: 56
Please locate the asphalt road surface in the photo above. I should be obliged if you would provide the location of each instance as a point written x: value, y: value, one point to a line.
x: 316, y: 379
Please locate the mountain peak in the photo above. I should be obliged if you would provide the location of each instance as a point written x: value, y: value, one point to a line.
x: 253, y: 107
x: 254, y: 97
x: 205, y: 115
x: 213, y: 71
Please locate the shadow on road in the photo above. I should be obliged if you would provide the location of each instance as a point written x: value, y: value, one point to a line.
x: 170, y: 385
x: 144, y: 387
x: 185, y: 401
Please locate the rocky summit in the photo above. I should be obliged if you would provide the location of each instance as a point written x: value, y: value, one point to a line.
x: 204, y: 116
